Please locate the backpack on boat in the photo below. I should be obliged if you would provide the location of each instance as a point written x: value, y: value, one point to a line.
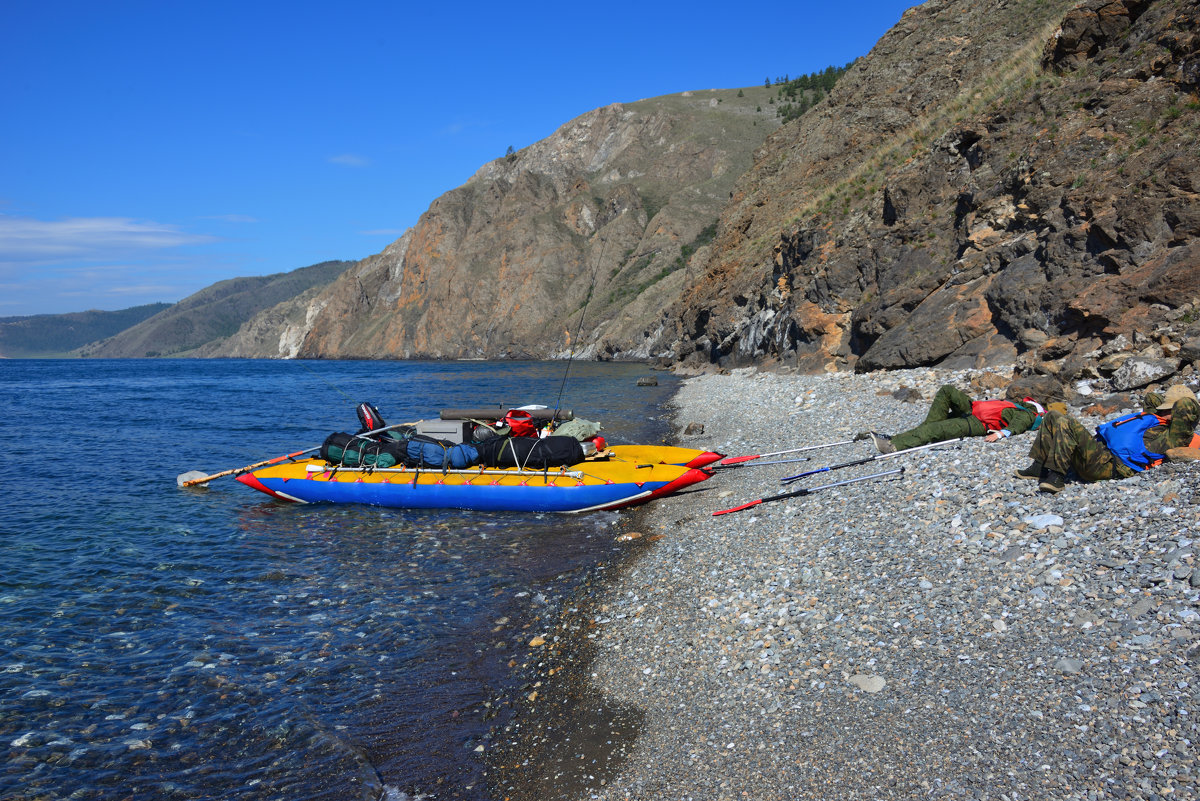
x: 350, y: 450
x: 530, y: 452
x: 520, y: 423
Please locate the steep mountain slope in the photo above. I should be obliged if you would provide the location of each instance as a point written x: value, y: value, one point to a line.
x: 595, y: 222
x: 48, y: 335
x: 212, y: 314
x: 996, y: 182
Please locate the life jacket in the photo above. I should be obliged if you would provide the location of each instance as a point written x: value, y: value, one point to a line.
x: 1124, y: 438
x: 988, y: 412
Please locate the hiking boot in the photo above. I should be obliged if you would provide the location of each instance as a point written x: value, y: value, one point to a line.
x: 1033, y: 472
x: 861, y: 435
x: 1052, y: 481
x: 883, y: 443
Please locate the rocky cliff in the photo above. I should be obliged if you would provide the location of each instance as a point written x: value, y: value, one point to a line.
x: 1004, y: 182
x: 1001, y: 182
x: 590, y: 227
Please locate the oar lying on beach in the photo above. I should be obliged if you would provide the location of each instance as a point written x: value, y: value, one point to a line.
x: 720, y: 466
x: 730, y: 461
x: 875, y: 458
x: 194, y: 478
x: 809, y: 491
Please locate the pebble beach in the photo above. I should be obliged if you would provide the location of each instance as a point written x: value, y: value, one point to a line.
x: 949, y: 632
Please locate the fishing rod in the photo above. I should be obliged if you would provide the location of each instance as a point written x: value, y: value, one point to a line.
x: 730, y: 461
x: 579, y: 328
x: 867, y: 459
x: 809, y: 491
x: 332, y: 385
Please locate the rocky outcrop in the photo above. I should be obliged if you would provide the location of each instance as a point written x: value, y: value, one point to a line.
x: 575, y: 244
x: 1006, y: 182
x: 1014, y: 182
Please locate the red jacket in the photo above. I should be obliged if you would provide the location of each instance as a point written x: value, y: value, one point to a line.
x: 989, y: 412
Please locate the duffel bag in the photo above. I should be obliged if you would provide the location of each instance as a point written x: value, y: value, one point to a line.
x: 347, y: 450
x: 422, y: 451
x: 530, y: 452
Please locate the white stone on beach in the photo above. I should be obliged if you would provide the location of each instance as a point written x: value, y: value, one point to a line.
x: 868, y: 683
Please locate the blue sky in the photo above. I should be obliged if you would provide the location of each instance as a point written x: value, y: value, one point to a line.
x: 149, y: 149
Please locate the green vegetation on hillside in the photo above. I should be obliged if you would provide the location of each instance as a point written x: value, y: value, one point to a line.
x: 50, y: 335
x: 798, y: 95
x: 626, y: 291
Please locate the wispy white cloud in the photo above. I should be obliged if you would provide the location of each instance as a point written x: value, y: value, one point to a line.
x: 30, y: 241
x: 349, y: 160
x: 39, y: 289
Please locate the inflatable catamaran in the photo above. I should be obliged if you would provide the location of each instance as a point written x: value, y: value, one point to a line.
x: 481, y: 460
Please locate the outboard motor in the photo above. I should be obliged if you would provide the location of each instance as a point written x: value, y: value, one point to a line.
x: 369, y: 418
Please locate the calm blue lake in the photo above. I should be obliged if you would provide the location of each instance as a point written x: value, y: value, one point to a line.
x: 165, y: 643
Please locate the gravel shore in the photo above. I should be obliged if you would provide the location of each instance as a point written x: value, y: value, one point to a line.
x: 950, y: 633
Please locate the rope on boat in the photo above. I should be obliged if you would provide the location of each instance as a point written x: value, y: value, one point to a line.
x: 312, y: 468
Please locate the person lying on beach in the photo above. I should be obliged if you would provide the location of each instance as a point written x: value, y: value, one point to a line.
x: 953, y: 415
x: 1118, y: 449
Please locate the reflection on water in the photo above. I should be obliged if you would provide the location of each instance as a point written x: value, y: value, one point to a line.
x: 164, y: 643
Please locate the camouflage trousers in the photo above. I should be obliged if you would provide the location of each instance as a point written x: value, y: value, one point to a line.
x: 1063, y: 444
x: 949, y: 417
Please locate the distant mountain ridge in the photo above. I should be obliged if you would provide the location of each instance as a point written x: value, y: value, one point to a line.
x: 56, y: 335
x: 197, y: 324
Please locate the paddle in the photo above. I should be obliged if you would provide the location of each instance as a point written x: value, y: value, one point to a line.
x: 864, y: 460
x: 729, y: 461
x: 194, y: 478
x: 808, y: 491
x: 759, y: 464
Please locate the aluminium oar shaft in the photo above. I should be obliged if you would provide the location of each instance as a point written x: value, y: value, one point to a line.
x: 721, y: 466
x: 733, y: 460
x: 186, y: 482
x: 809, y: 490
x: 866, y: 459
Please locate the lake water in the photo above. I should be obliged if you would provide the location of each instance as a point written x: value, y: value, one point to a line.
x: 165, y: 643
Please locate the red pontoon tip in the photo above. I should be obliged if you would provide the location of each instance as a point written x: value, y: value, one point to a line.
x: 250, y: 481
x: 705, y: 459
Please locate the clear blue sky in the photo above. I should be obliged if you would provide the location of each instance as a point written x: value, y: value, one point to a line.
x: 149, y: 149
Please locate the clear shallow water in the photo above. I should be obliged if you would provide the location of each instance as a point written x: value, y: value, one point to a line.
x: 168, y: 643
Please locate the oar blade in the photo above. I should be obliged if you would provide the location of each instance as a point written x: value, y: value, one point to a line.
x: 738, y: 508
x: 191, y: 478
x: 729, y: 461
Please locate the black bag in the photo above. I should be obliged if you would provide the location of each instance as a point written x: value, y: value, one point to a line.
x: 530, y: 452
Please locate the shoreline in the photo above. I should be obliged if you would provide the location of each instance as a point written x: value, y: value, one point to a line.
x: 951, y: 633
